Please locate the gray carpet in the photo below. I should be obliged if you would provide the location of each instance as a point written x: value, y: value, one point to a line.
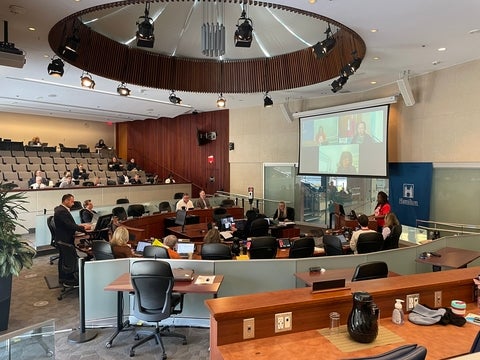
x: 33, y: 302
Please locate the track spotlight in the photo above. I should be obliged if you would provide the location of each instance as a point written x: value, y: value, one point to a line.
x: 123, y: 90
x: 267, y: 100
x: 244, y: 33
x: 351, y: 68
x: 174, y: 99
x: 322, y: 48
x: 337, y: 85
x: 55, y: 68
x: 69, y: 49
x: 221, y: 101
x: 145, y: 36
x: 86, y: 80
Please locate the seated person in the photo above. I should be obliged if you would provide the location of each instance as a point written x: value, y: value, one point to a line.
x: 185, y: 203
x: 35, y: 141
x: 212, y: 236
x: 202, y: 202
x: 101, y: 145
x: 136, y: 180
x: 123, y: 179
x: 132, y: 165
x: 119, y: 242
x: 251, y: 215
x: 38, y: 184
x: 33, y: 180
x: 115, y: 165
x: 170, y: 243
x: 170, y: 179
x: 363, y: 221
x: 67, y: 182
x: 79, y: 173
x: 87, y: 215
x: 283, y: 213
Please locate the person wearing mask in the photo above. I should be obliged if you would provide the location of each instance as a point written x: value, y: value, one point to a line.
x: 120, y: 247
x: 65, y: 226
x: 363, y: 221
x: 202, y: 202
x: 170, y: 243
x: 381, y: 209
x: 185, y: 203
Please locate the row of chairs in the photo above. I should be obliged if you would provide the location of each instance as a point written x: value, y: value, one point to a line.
x: 42, y: 160
x: 32, y: 153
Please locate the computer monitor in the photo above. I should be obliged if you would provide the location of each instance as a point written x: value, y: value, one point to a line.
x: 180, y: 218
x: 226, y: 223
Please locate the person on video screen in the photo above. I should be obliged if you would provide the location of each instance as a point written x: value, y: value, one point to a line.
x: 361, y: 136
x: 345, y: 165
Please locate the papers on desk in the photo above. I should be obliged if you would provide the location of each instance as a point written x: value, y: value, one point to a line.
x: 286, y: 223
x: 473, y: 318
x: 204, y: 279
x: 226, y: 234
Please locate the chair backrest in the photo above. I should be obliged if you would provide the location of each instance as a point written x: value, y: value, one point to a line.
x: 332, y: 245
x: 290, y: 213
x: 391, y: 242
x: 120, y: 213
x: 51, y: 227
x: 85, y: 216
x: 136, y: 210
x: 153, y: 282
x: 164, y: 206
x: 404, y: 352
x: 370, y: 270
x: 155, y: 252
x: 259, y: 227
x: 227, y: 203
x: 102, y: 250
x: 178, y: 196
x: 264, y: 247
x: 68, y: 261
x: 302, y: 248
x: 77, y: 205
x: 122, y: 201
x: 369, y: 242
x: 216, y: 251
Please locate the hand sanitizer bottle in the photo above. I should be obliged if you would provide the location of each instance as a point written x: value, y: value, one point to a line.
x: 397, y: 315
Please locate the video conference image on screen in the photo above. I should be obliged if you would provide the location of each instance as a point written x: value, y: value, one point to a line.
x: 345, y: 143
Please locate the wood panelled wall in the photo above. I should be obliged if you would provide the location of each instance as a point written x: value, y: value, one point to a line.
x: 170, y: 145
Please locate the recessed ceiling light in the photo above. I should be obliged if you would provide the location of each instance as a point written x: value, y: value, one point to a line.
x: 376, y: 58
x: 373, y: 30
x: 312, y: 1
x: 373, y: 82
x: 31, y: 28
x: 435, y: 62
x: 442, y: 49
x: 474, y: 31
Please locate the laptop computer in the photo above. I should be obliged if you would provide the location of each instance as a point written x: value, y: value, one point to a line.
x: 180, y: 274
x: 342, y: 238
x: 141, y: 246
x: 283, y: 243
x: 183, y: 249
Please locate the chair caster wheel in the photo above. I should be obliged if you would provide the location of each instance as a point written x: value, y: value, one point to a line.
x: 184, y: 342
x: 108, y: 345
x: 132, y: 353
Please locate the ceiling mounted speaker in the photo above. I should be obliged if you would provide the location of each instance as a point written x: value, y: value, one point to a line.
x: 406, y: 91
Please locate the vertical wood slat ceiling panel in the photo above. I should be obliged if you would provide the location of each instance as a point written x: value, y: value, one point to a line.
x: 102, y: 56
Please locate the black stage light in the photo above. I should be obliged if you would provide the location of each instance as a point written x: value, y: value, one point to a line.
x: 350, y: 68
x: 174, y: 99
x: 55, y: 68
x: 244, y: 33
x: 86, y: 80
x: 145, y: 36
x: 123, y: 90
x: 267, y: 100
x: 337, y: 85
x: 221, y: 101
x: 69, y: 49
x: 322, y: 48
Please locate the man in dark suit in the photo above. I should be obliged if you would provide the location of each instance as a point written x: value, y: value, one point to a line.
x: 202, y: 202
x: 65, y: 226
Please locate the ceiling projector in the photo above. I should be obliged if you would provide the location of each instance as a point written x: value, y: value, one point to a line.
x: 9, y: 54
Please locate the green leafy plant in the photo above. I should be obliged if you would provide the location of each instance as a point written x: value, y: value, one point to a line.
x: 14, y: 253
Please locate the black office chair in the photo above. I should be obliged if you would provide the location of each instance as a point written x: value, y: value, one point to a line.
x: 53, y: 243
x: 332, y: 245
x: 164, y: 207
x: 86, y: 216
x: 264, y: 247
x: 178, y: 196
x: 302, y: 248
x: 102, y: 228
x: 404, y: 352
x: 227, y: 203
x: 155, y: 252
x: 370, y: 270
x: 67, y: 268
x: 369, y: 242
x: 120, y: 213
x: 77, y: 205
x: 219, y: 213
x: 259, y: 227
x: 122, y: 201
x: 216, y: 251
x: 391, y: 242
x: 154, y: 301
x: 136, y: 210
x: 290, y: 213
x: 102, y: 250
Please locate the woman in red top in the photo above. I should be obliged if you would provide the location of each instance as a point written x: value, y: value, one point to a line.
x: 381, y: 209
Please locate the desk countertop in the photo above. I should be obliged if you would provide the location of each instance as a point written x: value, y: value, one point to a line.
x: 451, y: 257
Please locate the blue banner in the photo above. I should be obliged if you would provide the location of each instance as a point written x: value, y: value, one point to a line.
x: 410, y: 187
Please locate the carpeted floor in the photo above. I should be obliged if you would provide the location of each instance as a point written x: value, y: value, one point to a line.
x: 33, y: 302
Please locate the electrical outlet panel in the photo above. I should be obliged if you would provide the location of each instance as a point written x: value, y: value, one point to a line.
x: 437, y: 300
x: 248, y: 328
x: 283, y: 322
x: 411, y: 301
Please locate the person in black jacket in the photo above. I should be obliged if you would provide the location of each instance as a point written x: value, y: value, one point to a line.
x: 65, y: 226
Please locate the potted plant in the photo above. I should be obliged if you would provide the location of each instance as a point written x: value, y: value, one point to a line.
x: 14, y: 253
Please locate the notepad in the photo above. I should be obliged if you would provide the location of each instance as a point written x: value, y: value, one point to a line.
x: 205, y: 279
x: 473, y: 318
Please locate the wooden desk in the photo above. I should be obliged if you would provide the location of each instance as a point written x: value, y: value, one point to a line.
x: 450, y: 258
x: 193, y: 232
x: 284, y: 231
x: 123, y: 283
x: 331, y: 274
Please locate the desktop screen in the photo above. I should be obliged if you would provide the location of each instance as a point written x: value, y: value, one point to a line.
x: 226, y: 223
x: 180, y: 217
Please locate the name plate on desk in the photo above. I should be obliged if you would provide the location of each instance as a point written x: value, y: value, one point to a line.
x: 327, y: 285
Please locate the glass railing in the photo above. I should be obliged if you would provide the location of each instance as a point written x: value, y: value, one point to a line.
x: 33, y: 342
x: 437, y: 229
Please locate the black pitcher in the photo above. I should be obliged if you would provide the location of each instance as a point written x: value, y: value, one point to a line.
x: 362, y: 322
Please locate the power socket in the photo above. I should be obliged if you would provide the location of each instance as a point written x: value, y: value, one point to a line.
x: 283, y: 322
x: 437, y: 300
x: 248, y: 328
x: 411, y: 301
